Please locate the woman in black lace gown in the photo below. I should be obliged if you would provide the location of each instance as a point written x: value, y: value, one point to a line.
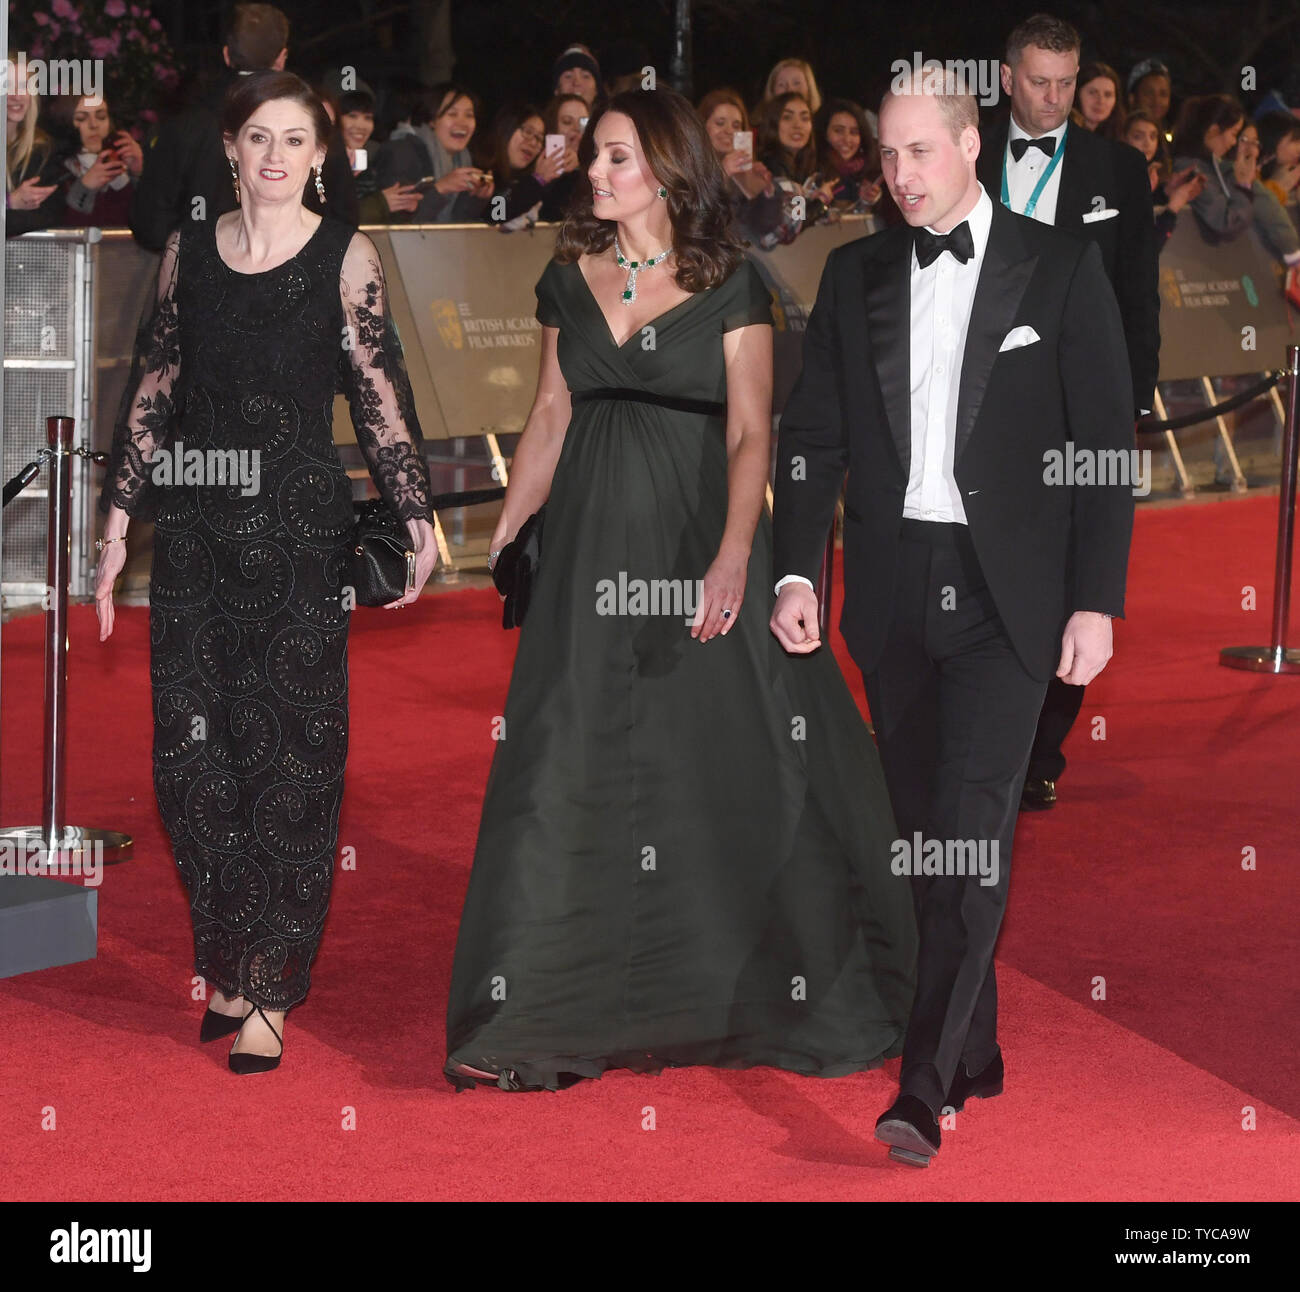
x: 258, y: 318
x: 684, y: 854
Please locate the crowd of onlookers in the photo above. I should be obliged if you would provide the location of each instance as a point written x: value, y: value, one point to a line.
x: 793, y: 159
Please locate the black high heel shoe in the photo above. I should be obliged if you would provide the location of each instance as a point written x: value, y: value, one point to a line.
x: 215, y: 1025
x: 243, y: 1064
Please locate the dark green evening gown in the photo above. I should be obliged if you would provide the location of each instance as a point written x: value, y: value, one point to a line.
x: 684, y: 851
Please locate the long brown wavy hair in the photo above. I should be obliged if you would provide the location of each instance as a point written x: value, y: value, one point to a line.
x: 682, y: 160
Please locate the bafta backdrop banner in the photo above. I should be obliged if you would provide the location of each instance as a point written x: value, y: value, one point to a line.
x: 1222, y: 309
x: 463, y: 301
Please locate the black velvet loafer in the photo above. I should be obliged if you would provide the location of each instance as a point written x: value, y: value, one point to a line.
x: 983, y: 1085
x: 910, y: 1129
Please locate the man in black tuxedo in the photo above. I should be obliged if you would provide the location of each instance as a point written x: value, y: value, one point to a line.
x: 1042, y: 165
x: 946, y: 361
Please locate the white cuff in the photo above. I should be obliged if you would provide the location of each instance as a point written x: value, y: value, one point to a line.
x: 791, y: 578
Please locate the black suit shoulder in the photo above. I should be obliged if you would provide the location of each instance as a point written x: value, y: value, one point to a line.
x: 1043, y: 239
x: 882, y: 246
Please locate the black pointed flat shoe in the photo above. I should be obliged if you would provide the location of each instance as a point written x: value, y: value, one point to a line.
x: 910, y: 1129
x: 244, y: 1064
x: 216, y: 1025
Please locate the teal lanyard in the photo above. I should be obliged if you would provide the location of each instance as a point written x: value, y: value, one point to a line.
x: 1032, y: 204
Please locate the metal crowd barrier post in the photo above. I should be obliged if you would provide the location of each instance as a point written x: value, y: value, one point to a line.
x: 53, y: 838
x: 1276, y: 658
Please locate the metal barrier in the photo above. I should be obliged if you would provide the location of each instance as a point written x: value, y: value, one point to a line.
x: 55, y: 842
x: 49, y: 360
x: 1276, y: 658
x: 462, y: 299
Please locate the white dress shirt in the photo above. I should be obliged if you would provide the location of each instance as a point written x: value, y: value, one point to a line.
x: 1022, y: 175
x: 942, y: 295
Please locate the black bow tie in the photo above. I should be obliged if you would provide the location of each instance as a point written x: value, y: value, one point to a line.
x: 1020, y: 146
x: 929, y: 246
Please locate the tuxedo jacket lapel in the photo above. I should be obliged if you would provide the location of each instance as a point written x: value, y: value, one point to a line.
x: 1003, y: 278
x: 1071, y: 199
x: 888, y: 294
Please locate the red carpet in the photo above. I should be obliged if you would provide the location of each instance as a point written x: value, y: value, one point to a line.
x: 1135, y: 879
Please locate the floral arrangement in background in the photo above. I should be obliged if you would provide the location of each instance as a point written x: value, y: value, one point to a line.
x: 138, y: 60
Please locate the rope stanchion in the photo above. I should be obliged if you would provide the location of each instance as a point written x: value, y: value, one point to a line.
x: 1276, y: 658
x: 53, y: 845
x: 1149, y: 425
x: 467, y: 498
x: 20, y: 482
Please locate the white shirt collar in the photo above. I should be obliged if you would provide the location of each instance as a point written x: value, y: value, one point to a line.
x: 1015, y: 132
x: 980, y: 220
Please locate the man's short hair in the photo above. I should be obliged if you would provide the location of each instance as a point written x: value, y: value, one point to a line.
x: 255, y: 37
x: 1044, y: 31
x: 958, y: 110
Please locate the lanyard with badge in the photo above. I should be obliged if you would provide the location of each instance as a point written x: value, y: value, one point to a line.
x: 1042, y: 179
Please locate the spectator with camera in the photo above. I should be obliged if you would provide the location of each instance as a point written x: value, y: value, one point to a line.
x: 849, y: 159
x: 756, y: 206
x: 103, y: 164
x: 430, y: 152
x: 1170, y: 193
x: 787, y: 146
x: 527, y: 164
x: 1272, y: 223
x: 1207, y: 130
x: 33, y: 197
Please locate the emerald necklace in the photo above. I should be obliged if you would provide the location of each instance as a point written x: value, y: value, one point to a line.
x: 633, y: 267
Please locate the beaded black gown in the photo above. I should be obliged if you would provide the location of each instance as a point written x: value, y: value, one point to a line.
x: 248, y: 600
x: 684, y: 852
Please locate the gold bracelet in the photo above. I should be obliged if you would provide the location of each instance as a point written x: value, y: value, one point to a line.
x: 102, y: 543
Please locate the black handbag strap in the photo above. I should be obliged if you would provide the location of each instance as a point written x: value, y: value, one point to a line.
x: 707, y: 407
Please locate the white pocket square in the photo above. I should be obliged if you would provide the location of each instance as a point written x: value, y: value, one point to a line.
x: 1090, y: 217
x: 1017, y: 337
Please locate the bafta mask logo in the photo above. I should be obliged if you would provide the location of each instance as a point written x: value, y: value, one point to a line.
x: 447, y: 319
x: 1170, y: 289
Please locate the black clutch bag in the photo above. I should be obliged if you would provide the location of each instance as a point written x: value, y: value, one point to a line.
x: 516, y: 568
x: 383, y: 562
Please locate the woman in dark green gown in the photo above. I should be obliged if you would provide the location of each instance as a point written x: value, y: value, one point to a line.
x: 684, y: 851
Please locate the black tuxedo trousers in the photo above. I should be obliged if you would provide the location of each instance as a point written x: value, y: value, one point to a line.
x: 954, y: 712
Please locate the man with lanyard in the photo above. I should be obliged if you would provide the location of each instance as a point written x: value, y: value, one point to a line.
x: 1046, y: 168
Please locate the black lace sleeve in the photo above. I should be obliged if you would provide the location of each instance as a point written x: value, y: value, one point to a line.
x: 148, y: 408
x: 377, y: 387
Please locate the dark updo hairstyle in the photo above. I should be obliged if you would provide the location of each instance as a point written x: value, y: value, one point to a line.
x: 250, y: 92
x: 681, y: 158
